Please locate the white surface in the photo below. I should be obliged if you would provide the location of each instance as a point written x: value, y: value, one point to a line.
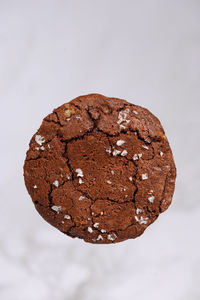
x: 144, y: 51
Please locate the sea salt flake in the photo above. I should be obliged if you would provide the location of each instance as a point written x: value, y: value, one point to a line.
x: 90, y: 230
x: 56, y: 183
x: 151, y: 199
x: 42, y: 148
x: 48, y: 146
x: 122, y: 126
x: 150, y: 192
x: 139, y: 211
x: 39, y: 139
x: 108, y: 150
x: 122, y: 116
x: 79, y: 173
x: 124, y: 152
x: 137, y: 156
x: 35, y: 187
x: 81, y: 198
x: 68, y: 217
x: 37, y: 148
x: 130, y: 178
x: 78, y: 117
x: 68, y: 177
x: 141, y: 220
x: 145, y: 147
x: 148, y: 140
x: 161, y: 153
x: 135, y: 112
x: 109, y: 182
x: 116, y: 152
x: 112, y: 172
x: 56, y: 208
x: 99, y: 237
x: 101, y: 213
x: 144, y: 176
x: 96, y: 225
x: 103, y: 231
x: 120, y: 142
x: 112, y: 236
x: 80, y: 181
x: 68, y: 119
x: 63, y: 222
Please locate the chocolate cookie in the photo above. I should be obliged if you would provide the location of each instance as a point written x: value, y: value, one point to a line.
x: 100, y: 169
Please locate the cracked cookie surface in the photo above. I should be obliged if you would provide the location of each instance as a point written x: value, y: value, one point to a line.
x: 100, y: 169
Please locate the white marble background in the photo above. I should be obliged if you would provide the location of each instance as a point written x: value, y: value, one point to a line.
x: 147, y: 52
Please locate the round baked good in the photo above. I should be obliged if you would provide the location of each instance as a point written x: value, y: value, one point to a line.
x: 100, y: 169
